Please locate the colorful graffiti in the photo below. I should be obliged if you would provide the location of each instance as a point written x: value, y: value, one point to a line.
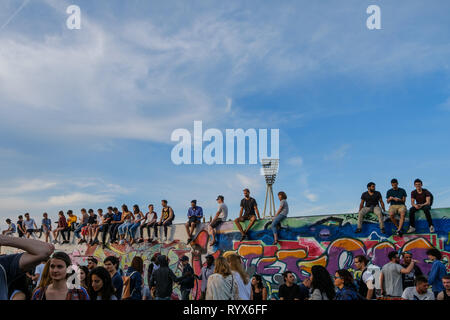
x: 329, y: 241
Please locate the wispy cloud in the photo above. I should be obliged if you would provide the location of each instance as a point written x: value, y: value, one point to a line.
x: 339, y: 153
x: 295, y: 161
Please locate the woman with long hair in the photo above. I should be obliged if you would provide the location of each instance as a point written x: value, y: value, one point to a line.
x: 222, y: 283
x: 84, y: 277
x: 126, y: 223
x: 322, y: 286
x: 57, y: 289
x: 100, y: 285
x: 280, y: 215
x: 241, y: 276
x: 45, y: 277
x: 19, y: 289
x: 135, y: 272
x: 259, y: 291
x: 139, y: 216
x: 346, y: 289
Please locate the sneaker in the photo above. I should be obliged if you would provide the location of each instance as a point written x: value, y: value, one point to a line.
x: 411, y: 230
x: 55, y: 241
x: 432, y: 229
x: 188, y: 240
x: 399, y: 233
x: 121, y: 242
x: 358, y: 230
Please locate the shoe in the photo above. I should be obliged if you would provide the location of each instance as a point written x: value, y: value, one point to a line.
x: 55, y: 241
x: 411, y: 230
x: 358, y: 230
x: 121, y: 242
x: 432, y: 229
x: 188, y: 240
x: 399, y: 233
x: 96, y: 242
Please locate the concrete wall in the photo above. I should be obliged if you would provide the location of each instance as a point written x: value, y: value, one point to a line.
x: 327, y: 240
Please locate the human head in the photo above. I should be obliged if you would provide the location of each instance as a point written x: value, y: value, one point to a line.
x: 61, y: 213
x: 110, y: 210
x: 282, y: 195
x: 115, y: 210
x: 394, y: 183
x: 8, y: 221
x: 27, y: 216
x: 84, y: 271
x: 418, y: 184
x: 343, y: 278
x: 59, y: 262
x: 221, y: 267
x: 124, y: 208
x: 164, y: 203
x: 289, y: 277
x: 235, y: 262
x: 100, y: 283
x: 184, y: 260
x: 150, y: 208
x: 209, y: 260
x: 361, y: 262
x: 257, y: 281
x: 92, y: 263
x: 91, y: 212
x: 393, y: 257
x: 136, y: 209
x: 100, y: 211
x: 321, y: 279
x: 220, y: 199
x: 83, y: 211
x: 246, y: 192
x: 193, y: 203
x: 371, y: 186
x: 20, y: 217
x: 45, y: 215
x: 407, y: 257
x: 421, y: 283
x: 434, y: 254
x: 446, y: 281
x: 70, y: 213
x: 137, y: 264
x: 111, y: 263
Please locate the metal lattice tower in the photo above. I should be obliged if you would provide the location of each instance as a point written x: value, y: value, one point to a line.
x: 269, y: 170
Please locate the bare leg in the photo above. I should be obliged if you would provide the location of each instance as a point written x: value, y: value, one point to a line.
x: 252, y: 222
x: 237, y: 222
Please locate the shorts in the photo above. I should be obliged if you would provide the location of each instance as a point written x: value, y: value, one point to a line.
x: 31, y: 230
x: 194, y: 220
x: 397, y: 208
x: 246, y: 217
x: 217, y: 223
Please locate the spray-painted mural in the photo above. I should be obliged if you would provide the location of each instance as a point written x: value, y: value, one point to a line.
x: 329, y: 241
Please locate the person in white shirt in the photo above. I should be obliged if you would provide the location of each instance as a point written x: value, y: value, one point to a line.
x: 419, y: 292
x: 241, y: 276
x: 219, y: 218
x: 38, y: 273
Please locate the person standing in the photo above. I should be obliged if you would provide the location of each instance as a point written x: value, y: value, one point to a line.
x: 437, y: 272
x: 408, y: 279
x: 346, y: 290
x: 92, y: 263
x: 187, y: 278
x: 419, y: 291
x: 241, y: 276
x: 134, y: 273
x: 195, y: 214
x: 220, y: 217
x: 249, y: 211
x: 370, y: 202
x: 222, y: 284
x: 366, y: 283
x: 207, y: 270
x: 421, y: 199
x: 280, y: 215
x: 391, y: 275
x: 290, y: 290
x: 167, y: 216
x: 396, y: 197
x: 111, y: 264
x: 259, y: 291
x: 445, y: 294
x: 162, y: 279
x: 322, y: 287
x: 100, y: 285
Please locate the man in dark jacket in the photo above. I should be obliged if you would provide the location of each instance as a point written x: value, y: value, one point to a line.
x: 187, y: 278
x: 162, y: 279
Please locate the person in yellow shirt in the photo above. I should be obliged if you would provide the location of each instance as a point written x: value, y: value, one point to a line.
x: 71, y: 223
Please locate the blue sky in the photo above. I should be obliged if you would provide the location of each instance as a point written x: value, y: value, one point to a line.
x: 86, y: 115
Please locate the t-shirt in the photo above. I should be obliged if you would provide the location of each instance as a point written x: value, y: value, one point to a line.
x: 408, y: 278
x: 70, y: 220
x: 92, y: 219
x: 249, y: 206
x: 19, y: 226
x: 12, y: 226
x: 39, y: 270
x: 117, y: 282
x: 223, y: 211
x: 244, y: 289
x: 284, y: 208
x: 371, y: 200
x: 9, y: 270
x: 399, y: 193
x: 292, y: 292
x: 411, y: 293
x: 151, y: 216
x: 392, y: 279
x: 420, y: 197
x: 47, y: 222
x: 108, y: 216
x: 29, y: 224
x: 195, y: 212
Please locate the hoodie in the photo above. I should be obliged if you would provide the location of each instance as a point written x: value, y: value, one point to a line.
x: 163, y: 279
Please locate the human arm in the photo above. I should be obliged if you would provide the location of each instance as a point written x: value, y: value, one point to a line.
x: 257, y: 211
x: 433, y: 275
x: 409, y: 268
x: 382, y: 282
x: 264, y: 294
x: 361, y: 205
x: 382, y: 204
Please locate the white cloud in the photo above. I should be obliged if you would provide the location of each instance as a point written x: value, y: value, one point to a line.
x: 311, y: 196
x: 295, y: 161
x: 78, y: 199
x: 339, y: 153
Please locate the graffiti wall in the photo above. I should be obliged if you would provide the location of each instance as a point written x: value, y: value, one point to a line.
x: 329, y: 241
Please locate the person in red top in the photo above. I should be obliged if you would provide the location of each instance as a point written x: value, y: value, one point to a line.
x: 421, y: 199
x: 62, y: 227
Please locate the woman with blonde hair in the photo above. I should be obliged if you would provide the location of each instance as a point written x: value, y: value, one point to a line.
x: 241, y: 276
x: 222, y: 283
x: 45, y: 277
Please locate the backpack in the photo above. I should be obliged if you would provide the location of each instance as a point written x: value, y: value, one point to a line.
x: 126, y: 292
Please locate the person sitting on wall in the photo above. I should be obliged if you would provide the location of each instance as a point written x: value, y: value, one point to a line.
x: 280, y: 215
x: 195, y: 214
x: 11, y: 228
x: 396, y: 197
x: 167, y: 216
x: 370, y: 202
x: 421, y: 199
x: 219, y: 218
x: 249, y: 207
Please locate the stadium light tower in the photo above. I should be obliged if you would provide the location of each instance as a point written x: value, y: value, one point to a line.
x: 269, y: 170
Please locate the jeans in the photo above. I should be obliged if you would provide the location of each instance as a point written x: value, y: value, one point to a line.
x: 276, y: 222
x: 148, y: 226
x: 113, y: 232
x: 185, y: 294
x: 105, y: 230
x: 164, y: 298
x: 78, y: 230
x: 123, y: 228
x: 412, y: 216
x: 132, y: 229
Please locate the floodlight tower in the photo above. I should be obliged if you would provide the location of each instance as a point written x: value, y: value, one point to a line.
x: 269, y: 171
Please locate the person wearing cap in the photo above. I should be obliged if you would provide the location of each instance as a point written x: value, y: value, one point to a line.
x: 187, y: 278
x: 195, y: 214
x: 249, y: 210
x: 219, y: 218
x: 207, y: 270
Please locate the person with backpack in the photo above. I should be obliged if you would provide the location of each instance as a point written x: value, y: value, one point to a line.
x: 132, y: 281
x: 57, y: 289
x: 421, y: 199
x: 162, y: 279
x: 366, y: 282
x: 346, y: 290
